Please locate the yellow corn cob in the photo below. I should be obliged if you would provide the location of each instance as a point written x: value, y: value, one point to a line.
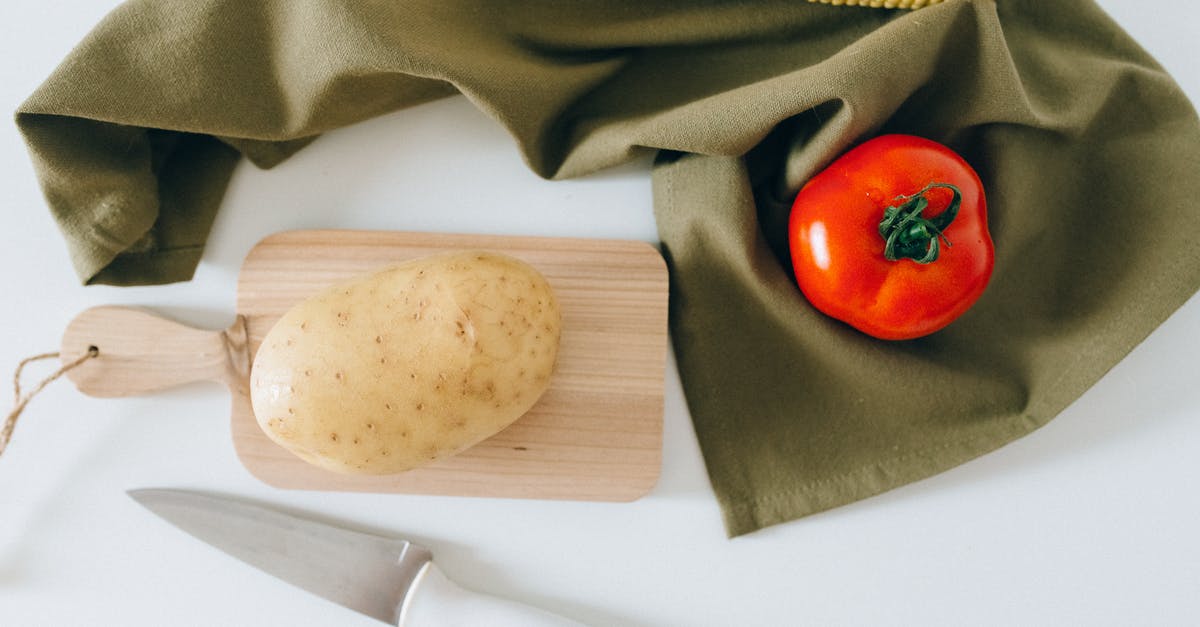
x: 881, y: 4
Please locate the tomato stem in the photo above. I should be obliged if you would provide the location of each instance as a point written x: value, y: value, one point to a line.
x: 909, y: 235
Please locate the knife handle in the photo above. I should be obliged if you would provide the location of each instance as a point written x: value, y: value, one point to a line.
x: 141, y: 352
x: 435, y: 601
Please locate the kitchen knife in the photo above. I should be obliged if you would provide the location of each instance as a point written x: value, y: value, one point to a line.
x: 385, y: 578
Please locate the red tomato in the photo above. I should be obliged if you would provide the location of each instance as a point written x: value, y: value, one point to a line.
x: 892, y: 237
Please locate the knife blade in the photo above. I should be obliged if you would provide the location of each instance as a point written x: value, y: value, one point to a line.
x: 389, y: 579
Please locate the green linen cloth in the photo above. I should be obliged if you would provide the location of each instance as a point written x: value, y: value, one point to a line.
x: 1090, y: 155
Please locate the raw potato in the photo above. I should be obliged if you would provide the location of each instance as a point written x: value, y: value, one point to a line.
x: 408, y: 365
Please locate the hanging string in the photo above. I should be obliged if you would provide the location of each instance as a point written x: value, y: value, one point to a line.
x: 20, y: 401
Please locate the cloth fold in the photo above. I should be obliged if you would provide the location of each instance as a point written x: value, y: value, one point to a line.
x: 1090, y: 155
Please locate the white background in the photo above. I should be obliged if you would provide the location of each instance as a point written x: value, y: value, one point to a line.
x: 1092, y: 520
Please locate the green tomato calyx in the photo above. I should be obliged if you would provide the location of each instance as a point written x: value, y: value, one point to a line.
x: 909, y: 235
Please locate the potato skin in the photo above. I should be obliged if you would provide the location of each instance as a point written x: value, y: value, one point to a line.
x: 407, y: 365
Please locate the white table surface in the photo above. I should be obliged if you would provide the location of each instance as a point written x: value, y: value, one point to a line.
x: 1090, y: 521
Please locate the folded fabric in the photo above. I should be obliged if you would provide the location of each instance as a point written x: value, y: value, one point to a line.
x: 1090, y: 155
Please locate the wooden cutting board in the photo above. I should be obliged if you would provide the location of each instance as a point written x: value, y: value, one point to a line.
x: 596, y: 434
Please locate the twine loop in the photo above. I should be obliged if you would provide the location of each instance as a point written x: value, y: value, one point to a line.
x: 20, y: 401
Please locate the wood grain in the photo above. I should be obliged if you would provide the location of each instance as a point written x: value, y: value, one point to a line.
x: 596, y: 434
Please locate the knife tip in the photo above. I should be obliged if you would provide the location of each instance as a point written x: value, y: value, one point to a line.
x: 141, y: 495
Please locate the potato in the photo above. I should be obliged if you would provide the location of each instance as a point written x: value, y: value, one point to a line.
x: 407, y: 365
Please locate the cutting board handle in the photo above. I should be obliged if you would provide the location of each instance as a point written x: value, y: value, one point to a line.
x: 140, y: 352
